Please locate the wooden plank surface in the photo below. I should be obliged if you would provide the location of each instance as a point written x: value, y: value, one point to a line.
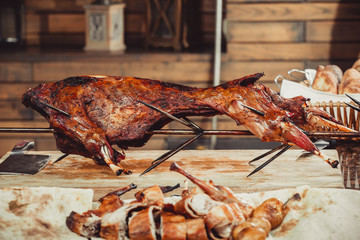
x: 332, y: 31
x: 224, y: 167
x: 14, y: 91
x: 15, y: 71
x: 291, y: 11
x: 265, y: 32
x: 292, y: 51
x: 167, y: 71
x: 14, y: 110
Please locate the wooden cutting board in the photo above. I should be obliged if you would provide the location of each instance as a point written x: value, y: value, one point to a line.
x: 225, y: 167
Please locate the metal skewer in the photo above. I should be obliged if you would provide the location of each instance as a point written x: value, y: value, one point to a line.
x: 170, y: 116
x: 26, y: 130
x: 169, y: 154
x: 284, y: 149
x: 253, y: 110
x: 190, y: 132
x: 267, y: 153
x: 56, y: 109
x: 356, y: 101
x: 198, y: 131
x: 352, y: 106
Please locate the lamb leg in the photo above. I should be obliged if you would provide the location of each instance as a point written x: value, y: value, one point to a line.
x: 222, y: 194
x: 93, y: 139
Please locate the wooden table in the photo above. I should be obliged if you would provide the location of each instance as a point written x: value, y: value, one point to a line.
x: 224, y: 167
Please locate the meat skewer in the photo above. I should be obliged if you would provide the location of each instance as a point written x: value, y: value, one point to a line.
x: 352, y: 106
x: 186, y: 123
x: 106, y: 111
x: 266, y: 217
x: 283, y: 148
x: 221, y: 214
x: 56, y: 109
x: 267, y: 153
x: 88, y: 223
x: 169, y: 154
x: 222, y: 194
x: 191, y: 132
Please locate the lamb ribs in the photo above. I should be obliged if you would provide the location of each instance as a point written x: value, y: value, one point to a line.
x: 101, y: 111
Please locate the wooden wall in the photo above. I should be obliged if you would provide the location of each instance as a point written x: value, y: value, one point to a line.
x: 262, y: 36
x: 62, y: 22
x: 292, y: 33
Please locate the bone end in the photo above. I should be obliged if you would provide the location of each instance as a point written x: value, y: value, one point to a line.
x: 174, y: 167
x: 334, y: 163
x: 118, y: 170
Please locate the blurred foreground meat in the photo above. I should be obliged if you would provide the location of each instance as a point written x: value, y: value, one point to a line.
x: 205, y: 212
x: 101, y: 111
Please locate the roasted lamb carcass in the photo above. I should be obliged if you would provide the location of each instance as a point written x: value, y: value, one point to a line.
x: 100, y: 111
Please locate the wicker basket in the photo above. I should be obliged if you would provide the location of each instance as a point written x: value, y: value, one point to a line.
x: 342, y: 112
x: 335, y: 104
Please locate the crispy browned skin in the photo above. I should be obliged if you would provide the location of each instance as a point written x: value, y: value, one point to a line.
x: 80, y: 224
x: 105, y: 111
x: 173, y: 226
x: 273, y: 210
x: 142, y: 225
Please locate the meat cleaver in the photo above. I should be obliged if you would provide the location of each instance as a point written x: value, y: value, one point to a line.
x: 19, y: 162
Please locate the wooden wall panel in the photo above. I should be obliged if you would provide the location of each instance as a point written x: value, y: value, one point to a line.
x: 333, y: 31
x: 15, y: 71
x: 270, y: 1
x: 14, y: 110
x: 292, y: 51
x: 326, y: 31
x: 265, y: 32
x: 166, y: 71
x: 290, y: 12
x: 13, y: 91
x: 33, y: 22
x: 236, y: 69
x: 135, y: 23
x: 59, y: 22
x: 75, y: 23
x: 66, y: 23
x: 56, y: 5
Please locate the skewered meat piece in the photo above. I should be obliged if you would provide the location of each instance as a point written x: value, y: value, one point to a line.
x: 273, y: 210
x: 195, y: 229
x: 87, y: 224
x: 267, y: 216
x: 221, y: 219
x: 114, y: 225
x: 142, y: 224
x: 173, y: 226
x: 195, y: 205
x: 249, y: 232
x: 97, y: 112
x: 151, y: 196
x: 217, y: 193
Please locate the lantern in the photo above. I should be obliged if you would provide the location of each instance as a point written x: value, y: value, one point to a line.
x: 105, y: 26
